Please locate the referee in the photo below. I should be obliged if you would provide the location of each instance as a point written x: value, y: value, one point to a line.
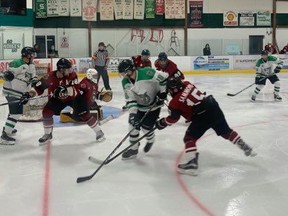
x: 100, y: 61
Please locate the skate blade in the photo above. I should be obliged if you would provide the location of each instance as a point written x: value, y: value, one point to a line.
x: 129, y: 158
x: 100, y: 139
x: 7, y: 143
x: 188, y: 172
x: 45, y: 143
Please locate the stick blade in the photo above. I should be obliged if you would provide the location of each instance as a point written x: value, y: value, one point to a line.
x: 82, y: 179
x: 95, y: 160
x: 231, y: 95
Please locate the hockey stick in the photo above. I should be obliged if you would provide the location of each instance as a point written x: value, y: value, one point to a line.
x: 86, y: 178
x: 232, y: 95
x: 95, y: 160
x: 18, y: 101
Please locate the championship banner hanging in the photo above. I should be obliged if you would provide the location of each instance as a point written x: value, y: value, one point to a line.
x: 230, y: 18
x: 195, y: 13
x: 139, y: 6
x: 75, y: 8
x: 246, y: 18
x: 169, y: 9
x: 179, y: 9
x: 40, y: 9
x: 63, y: 7
x: 106, y: 10
x: 89, y: 10
x: 150, y: 9
x: 118, y: 9
x: 159, y: 7
x: 52, y: 8
x: 128, y: 9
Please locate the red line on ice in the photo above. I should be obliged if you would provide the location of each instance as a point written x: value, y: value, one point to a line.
x: 45, y: 207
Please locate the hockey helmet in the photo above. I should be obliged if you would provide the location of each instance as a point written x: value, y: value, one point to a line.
x: 162, y: 56
x: 264, y: 52
x: 63, y: 63
x: 27, y: 52
x: 174, y: 85
x: 145, y: 52
x: 125, y: 66
x: 92, y: 74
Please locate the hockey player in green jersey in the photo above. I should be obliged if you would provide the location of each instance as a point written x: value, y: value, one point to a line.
x: 143, y: 88
x: 265, y: 70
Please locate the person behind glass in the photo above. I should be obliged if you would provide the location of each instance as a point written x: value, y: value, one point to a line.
x: 270, y: 48
x: 100, y: 61
x: 284, y: 50
x: 207, y: 50
x: 52, y: 53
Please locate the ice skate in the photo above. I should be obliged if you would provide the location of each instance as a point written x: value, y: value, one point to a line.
x: 131, y: 153
x: 100, y: 136
x: 253, y: 98
x: 148, y: 146
x: 45, y: 139
x: 277, y: 98
x: 6, y: 140
x: 191, y: 167
x: 248, y: 151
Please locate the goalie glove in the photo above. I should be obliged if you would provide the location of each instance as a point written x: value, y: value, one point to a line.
x: 277, y: 69
x: 8, y: 76
x: 105, y: 96
x: 61, y: 92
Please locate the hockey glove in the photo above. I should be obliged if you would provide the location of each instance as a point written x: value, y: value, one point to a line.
x: 61, y: 91
x: 161, y: 124
x: 25, y: 98
x: 277, y: 69
x: 134, y: 120
x: 34, y: 82
x: 8, y: 76
x: 161, y: 96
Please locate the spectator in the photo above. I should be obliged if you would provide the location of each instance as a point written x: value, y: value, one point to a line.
x: 270, y: 48
x: 52, y: 53
x: 284, y: 50
x: 207, y: 50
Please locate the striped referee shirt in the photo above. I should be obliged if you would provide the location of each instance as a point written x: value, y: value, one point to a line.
x: 100, y: 58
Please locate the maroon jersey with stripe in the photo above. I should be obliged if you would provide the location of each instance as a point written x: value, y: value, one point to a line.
x: 89, y: 89
x: 182, y: 103
x: 170, y: 68
x: 139, y: 63
x: 52, y: 82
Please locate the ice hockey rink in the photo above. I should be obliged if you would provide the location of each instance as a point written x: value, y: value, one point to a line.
x: 41, y: 181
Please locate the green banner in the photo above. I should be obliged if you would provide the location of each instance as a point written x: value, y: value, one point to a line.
x: 150, y: 8
x: 40, y: 9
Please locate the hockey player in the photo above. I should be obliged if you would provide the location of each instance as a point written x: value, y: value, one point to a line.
x: 17, y: 87
x: 264, y: 71
x: 166, y: 65
x: 63, y: 85
x: 141, y: 61
x: 205, y: 113
x: 143, y: 88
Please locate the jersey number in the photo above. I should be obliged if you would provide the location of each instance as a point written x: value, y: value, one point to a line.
x: 195, y: 95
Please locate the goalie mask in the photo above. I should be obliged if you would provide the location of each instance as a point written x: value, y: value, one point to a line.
x: 174, y: 85
x: 92, y: 75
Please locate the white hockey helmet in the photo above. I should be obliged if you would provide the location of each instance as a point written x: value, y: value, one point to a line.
x: 92, y: 74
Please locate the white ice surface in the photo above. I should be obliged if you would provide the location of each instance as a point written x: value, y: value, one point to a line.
x: 34, y: 183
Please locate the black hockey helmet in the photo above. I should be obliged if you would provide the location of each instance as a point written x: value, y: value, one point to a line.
x: 27, y: 51
x: 264, y: 52
x: 101, y: 44
x: 174, y: 85
x: 162, y: 56
x: 126, y: 65
x: 145, y: 52
x: 63, y: 63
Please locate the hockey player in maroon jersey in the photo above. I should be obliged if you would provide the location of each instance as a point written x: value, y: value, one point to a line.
x: 203, y: 113
x: 141, y: 61
x: 63, y: 87
x: 166, y: 65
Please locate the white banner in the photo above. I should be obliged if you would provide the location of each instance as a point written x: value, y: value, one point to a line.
x: 139, y: 6
x: 179, y: 9
x: 52, y: 8
x: 12, y: 45
x: 118, y: 9
x: 89, y: 10
x: 245, y: 61
x: 128, y: 9
x: 169, y: 9
x: 63, y: 7
x: 230, y: 18
x: 75, y: 8
x: 263, y: 18
x: 106, y: 10
x: 246, y: 18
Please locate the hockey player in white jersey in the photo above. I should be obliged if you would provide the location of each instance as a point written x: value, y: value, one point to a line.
x: 265, y: 70
x: 17, y: 87
x: 144, y: 88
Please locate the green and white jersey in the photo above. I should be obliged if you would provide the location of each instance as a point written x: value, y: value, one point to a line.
x: 142, y: 94
x: 23, y: 72
x: 264, y: 69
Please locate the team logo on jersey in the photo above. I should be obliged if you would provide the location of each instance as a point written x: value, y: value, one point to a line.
x: 143, y: 99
